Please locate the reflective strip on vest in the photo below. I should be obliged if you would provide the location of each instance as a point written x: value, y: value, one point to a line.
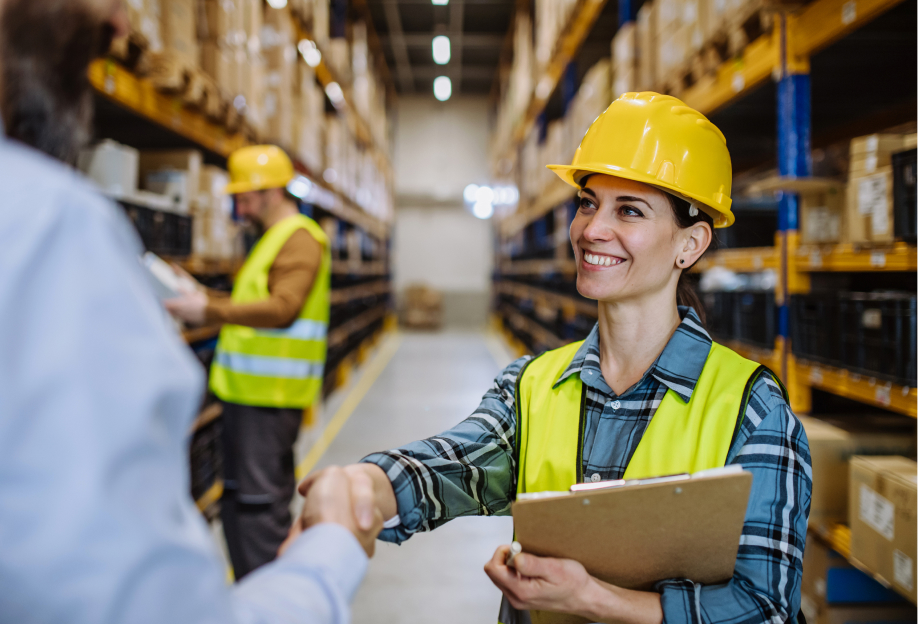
x: 280, y: 367
x: 283, y: 368
x: 302, y: 329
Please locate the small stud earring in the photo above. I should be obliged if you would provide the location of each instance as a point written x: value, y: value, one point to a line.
x: 682, y: 261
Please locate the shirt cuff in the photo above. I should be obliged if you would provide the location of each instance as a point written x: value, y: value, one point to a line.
x: 407, y: 506
x: 680, y: 600
x: 335, y: 551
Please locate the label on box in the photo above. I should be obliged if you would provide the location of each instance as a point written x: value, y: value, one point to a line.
x: 877, y: 512
x: 870, y: 163
x: 871, y: 195
x: 902, y: 570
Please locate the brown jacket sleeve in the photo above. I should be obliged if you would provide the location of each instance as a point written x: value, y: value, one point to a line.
x: 289, y: 281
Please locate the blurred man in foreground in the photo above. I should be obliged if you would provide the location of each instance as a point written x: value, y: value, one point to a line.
x: 97, y: 392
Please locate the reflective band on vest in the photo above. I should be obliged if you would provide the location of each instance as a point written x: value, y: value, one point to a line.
x: 275, y: 367
x: 681, y: 437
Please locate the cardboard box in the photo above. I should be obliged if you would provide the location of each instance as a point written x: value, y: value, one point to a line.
x: 877, y: 143
x: 831, y: 585
x: 882, y: 519
x: 869, y: 207
x: 178, y: 25
x: 832, y: 443
x: 190, y: 161
x: 646, y: 48
x: 822, y: 216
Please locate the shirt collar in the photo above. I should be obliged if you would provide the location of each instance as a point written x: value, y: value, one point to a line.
x: 678, y: 367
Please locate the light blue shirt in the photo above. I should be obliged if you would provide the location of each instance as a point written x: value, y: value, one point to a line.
x: 97, y: 396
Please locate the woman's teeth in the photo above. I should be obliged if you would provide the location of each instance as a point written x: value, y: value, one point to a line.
x: 601, y: 260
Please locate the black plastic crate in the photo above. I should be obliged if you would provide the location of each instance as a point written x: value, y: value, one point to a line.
x: 905, y: 206
x: 720, y: 313
x: 755, y: 321
x: 206, y: 457
x: 754, y: 227
x: 878, y: 335
x: 163, y: 233
x: 815, y: 328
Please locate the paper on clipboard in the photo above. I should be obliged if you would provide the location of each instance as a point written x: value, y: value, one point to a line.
x: 637, y: 534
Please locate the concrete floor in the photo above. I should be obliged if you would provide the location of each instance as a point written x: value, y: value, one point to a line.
x: 433, y: 381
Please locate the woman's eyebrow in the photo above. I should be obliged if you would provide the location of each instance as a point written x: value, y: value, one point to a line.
x: 629, y: 198
x: 586, y: 190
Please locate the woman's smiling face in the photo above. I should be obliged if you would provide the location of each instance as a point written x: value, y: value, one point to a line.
x: 626, y: 240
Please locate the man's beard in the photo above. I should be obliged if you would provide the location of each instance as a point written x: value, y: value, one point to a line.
x: 46, y: 47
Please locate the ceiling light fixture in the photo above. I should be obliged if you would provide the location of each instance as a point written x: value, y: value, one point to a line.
x: 334, y: 93
x: 439, y: 2
x: 442, y: 88
x: 277, y: 4
x: 440, y: 48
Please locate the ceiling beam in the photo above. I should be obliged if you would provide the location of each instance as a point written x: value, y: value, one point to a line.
x: 399, y: 49
x: 469, y: 40
x: 472, y: 72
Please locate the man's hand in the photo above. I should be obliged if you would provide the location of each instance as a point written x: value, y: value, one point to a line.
x: 190, y: 307
x: 332, y: 495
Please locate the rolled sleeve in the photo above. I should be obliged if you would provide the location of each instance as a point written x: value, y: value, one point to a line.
x: 766, y: 582
x: 468, y: 470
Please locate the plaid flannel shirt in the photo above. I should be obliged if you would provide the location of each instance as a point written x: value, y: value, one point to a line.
x: 469, y: 470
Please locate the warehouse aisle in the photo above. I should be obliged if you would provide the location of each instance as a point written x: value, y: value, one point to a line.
x: 432, y: 382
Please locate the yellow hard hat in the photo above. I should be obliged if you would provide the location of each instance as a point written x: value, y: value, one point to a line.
x: 258, y: 167
x: 658, y: 140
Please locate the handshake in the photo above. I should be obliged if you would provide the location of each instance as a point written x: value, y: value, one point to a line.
x: 347, y: 496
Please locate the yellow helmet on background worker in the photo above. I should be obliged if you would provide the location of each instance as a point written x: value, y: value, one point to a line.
x: 658, y: 140
x: 258, y: 167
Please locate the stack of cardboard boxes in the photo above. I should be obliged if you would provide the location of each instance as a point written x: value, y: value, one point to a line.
x: 423, y: 307
x: 861, y: 478
x: 278, y: 43
x: 870, y: 186
x: 624, y: 60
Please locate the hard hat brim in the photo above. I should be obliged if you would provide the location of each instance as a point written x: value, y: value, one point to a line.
x: 722, y: 216
x: 245, y: 186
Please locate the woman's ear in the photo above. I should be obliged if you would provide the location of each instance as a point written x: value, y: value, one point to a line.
x: 696, y: 243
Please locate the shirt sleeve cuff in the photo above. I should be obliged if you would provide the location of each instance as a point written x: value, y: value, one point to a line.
x: 408, y: 508
x: 679, y: 599
x: 335, y: 551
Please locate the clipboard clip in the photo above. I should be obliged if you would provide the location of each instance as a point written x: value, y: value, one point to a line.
x: 614, y: 483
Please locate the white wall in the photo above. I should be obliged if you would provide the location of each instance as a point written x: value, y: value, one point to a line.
x: 440, y: 147
x: 447, y: 249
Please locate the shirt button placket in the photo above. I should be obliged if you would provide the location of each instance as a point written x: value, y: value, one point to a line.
x: 615, y: 405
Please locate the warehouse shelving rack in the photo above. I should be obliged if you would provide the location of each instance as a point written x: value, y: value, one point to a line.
x: 782, y: 55
x: 366, y: 286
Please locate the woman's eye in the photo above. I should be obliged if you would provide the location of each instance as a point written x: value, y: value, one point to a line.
x: 586, y: 203
x: 631, y: 211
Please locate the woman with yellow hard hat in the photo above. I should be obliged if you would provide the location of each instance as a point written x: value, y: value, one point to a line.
x: 646, y: 394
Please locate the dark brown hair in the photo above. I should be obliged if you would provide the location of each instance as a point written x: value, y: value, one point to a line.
x: 685, y: 291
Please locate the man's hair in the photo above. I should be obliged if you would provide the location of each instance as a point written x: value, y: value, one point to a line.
x: 46, y: 47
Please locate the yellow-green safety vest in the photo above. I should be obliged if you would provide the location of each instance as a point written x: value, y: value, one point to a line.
x: 681, y: 437
x: 275, y: 367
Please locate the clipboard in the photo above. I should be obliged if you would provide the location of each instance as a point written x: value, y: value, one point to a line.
x: 639, y: 533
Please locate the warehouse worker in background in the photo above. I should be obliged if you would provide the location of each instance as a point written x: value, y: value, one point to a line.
x: 268, y: 366
x: 648, y: 393
x: 98, y: 392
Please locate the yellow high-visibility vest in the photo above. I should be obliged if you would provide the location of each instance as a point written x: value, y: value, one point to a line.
x: 275, y: 367
x: 681, y: 437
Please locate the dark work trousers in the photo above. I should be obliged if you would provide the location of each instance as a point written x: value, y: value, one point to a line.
x: 259, y: 481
